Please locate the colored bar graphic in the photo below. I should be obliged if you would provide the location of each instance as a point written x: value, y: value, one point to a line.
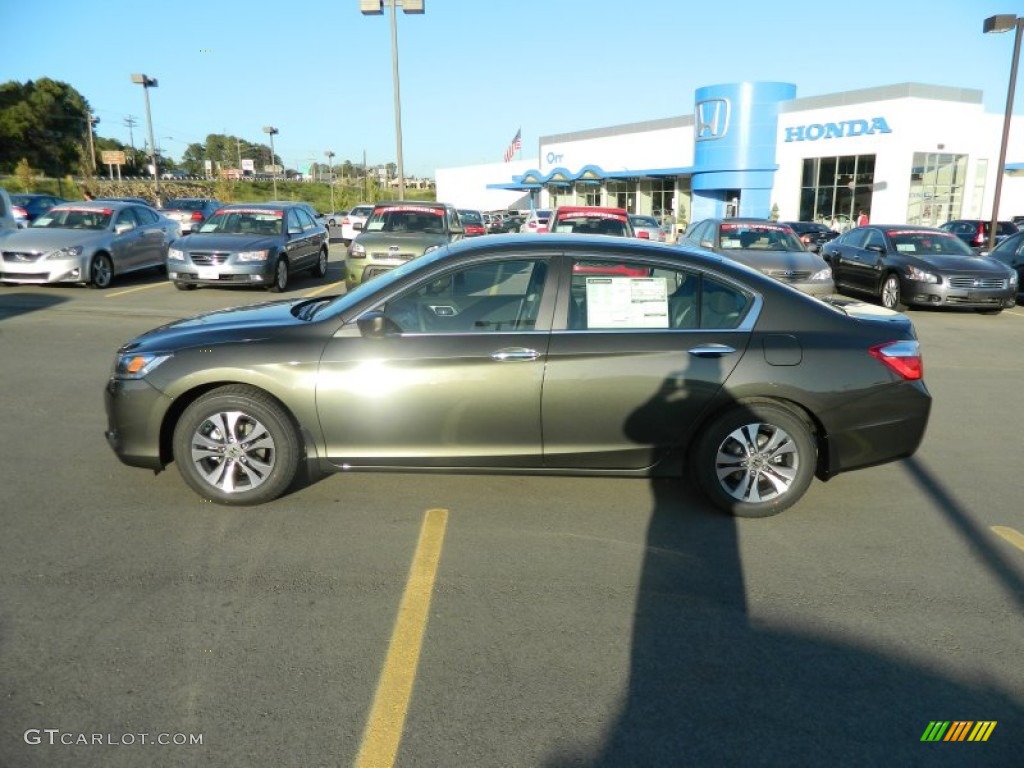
x: 958, y: 730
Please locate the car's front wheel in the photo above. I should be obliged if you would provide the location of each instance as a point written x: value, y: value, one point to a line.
x: 101, y: 271
x: 280, y: 282
x: 755, y: 460
x: 184, y: 286
x: 890, y: 293
x: 236, y: 445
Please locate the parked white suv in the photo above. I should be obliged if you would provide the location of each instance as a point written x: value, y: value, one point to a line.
x: 357, y: 215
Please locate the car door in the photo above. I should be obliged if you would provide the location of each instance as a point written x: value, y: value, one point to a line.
x: 846, y: 256
x: 670, y: 338
x: 129, y: 245
x: 446, y: 372
x: 154, y: 237
x: 300, y: 233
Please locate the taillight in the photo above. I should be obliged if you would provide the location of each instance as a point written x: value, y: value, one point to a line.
x: 19, y: 210
x: 805, y: 239
x: 643, y: 235
x: 197, y: 215
x: 979, y: 236
x: 902, y: 357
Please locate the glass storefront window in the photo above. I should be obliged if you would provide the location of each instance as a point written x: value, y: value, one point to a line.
x: 836, y: 189
x: 936, y: 188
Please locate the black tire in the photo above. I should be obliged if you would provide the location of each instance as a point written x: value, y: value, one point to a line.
x: 320, y: 270
x: 184, y: 286
x: 280, y: 282
x: 890, y: 293
x: 754, y: 460
x: 990, y: 311
x: 254, y: 464
x: 101, y: 271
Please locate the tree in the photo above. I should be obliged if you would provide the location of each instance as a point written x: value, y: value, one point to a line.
x: 44, y: 122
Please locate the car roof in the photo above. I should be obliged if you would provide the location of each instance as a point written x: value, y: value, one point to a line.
x: 115, y: 205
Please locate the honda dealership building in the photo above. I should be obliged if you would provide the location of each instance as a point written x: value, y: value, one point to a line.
x: 907, y: 153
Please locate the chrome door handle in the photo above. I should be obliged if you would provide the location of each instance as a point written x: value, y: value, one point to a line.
x: 711, y: 350
x: 515, y: 355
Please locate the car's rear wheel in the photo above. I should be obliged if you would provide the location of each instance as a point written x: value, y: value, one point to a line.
x: 280, y: 282
x: 890, y: 294
x: 320, y: 270
x: 236, y: 445
x: 101, y: 271
x: 184, y: 286
x: 755, y: 460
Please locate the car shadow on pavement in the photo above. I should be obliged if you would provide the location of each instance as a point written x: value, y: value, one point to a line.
x: 15, y: 304
x: 710, y: 684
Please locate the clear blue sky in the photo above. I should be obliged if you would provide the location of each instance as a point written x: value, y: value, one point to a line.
x: 474, y: 71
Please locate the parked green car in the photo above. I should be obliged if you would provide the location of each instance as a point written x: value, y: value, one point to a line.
x: 396, y: 232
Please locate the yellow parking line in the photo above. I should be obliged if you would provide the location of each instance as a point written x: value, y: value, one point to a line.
x: 323, y: 288
x: 133, y: 290
x: 1014, y: 312
x: 1014, y: 537
x: 383, y: 731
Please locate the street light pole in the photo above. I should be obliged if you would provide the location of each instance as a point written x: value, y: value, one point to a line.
x: 1004, y: 23
x: 330, y: 169
x: 147, y: 83
x: 269, y: 129
x: 375, y: 8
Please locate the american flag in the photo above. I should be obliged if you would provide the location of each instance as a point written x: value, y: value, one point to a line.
x: 515, y: 146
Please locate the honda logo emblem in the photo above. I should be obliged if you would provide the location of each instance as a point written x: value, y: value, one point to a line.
x: 711, y: 119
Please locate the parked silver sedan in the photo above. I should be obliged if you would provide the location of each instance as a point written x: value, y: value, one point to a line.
x: 87, y: 242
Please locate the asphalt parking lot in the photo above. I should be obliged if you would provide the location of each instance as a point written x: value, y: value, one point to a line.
x: 399, y: 619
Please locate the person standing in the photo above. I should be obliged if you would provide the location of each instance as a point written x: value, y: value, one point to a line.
x: 862, y: 219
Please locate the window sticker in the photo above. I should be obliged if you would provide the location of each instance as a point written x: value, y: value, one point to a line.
x: 627, y: 302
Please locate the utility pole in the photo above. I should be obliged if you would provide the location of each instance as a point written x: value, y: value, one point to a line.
x: 91, y: 122
x: 131, y: 122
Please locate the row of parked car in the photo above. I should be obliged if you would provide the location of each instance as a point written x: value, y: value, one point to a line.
x: 266, y: 244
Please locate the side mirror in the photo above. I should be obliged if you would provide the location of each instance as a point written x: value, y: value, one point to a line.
x: 879, y: 249
x: 120, y: 229
x: 358, y: 226
x: 375, y: 325
x: 706, y: 244
x: 294, y: 230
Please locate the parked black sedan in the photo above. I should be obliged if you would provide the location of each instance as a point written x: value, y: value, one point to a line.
x: 1011, y: 253
x: 904, y: 265
x: 529, y: 353
x: 812, y: 234
x: 254, y: 245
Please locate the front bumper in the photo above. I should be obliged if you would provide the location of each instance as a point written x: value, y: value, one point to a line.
x: 944, y: 295
x: 135, y: 413
x: 256, y: 274
x: 44, y: 271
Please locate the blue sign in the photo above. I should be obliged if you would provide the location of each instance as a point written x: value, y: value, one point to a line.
x: 839, y: 130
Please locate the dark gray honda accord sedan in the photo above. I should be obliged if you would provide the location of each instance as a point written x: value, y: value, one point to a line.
x: 533, y: 354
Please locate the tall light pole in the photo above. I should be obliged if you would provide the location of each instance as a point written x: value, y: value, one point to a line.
x: 147, y: 83
x: 1004, y: 23
x: 330, y: 169
x: 375, y: 8
x: 273, y: 159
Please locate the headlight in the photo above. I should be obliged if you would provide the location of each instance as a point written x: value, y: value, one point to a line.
x: 136, y: 365
x: 175, y: 255
x: 822, y: 274
x: 71, y: 252
x: 920, y: 276
x: 252, y: 255
x: 357, y: 251
x: 1013, y: 278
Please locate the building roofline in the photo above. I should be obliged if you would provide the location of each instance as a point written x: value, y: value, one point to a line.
x: 884, y: 93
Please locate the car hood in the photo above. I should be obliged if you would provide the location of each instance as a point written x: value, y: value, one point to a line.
x: 45, y: 239
x: 776, y: 260
x: 418, y: 241
x: 221, y: 326
x: 218, y: 242
x: 963, y: 264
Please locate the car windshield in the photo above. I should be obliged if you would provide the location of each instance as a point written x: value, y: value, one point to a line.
x: 185, y: 205
x: 74, y: 218
x: 928, y: 243
x: 408, y: 219
x: 644, y: 221
x: 245, y: 221
x: 758, y: 237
